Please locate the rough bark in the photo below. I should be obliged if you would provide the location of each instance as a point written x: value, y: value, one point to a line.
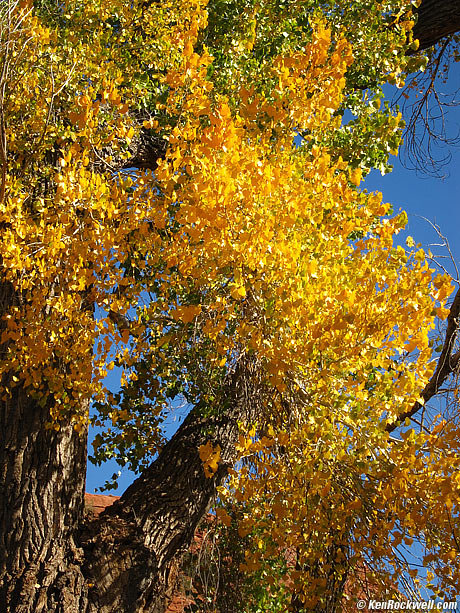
x: 42, y: 479
x: 53, y: 559
x: 41, y: 489
x: 436, y: 19
x: 131, y: 550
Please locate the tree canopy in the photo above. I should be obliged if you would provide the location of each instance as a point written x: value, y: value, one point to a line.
x: 181, y: 197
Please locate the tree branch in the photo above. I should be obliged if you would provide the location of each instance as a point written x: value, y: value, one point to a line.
x: 436, y: 19
x: 447, y: 364
x: 133, y: 546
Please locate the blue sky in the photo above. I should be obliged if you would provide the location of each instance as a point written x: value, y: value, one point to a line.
x: 436, y: 199
x: 420, y: 195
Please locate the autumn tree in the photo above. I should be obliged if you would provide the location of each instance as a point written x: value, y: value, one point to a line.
x: 180, y: 199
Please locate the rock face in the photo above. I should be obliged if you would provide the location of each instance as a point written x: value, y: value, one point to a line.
x: 96, y: 503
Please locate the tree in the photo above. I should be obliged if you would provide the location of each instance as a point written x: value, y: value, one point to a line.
x: 198, y: 223
x: 435, y: 21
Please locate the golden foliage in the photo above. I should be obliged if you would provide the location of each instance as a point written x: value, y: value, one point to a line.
x: 247, y: 243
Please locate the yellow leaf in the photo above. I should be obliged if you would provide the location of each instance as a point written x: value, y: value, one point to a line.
x: 238, y: 292
x: 356, y: 176
x: 151, y: 123
x: 410, y: 241
x: 442, y: 313
x: 210, y: 457
x: 187, y: 313
x: 224, y: 517
x: 244, y: 529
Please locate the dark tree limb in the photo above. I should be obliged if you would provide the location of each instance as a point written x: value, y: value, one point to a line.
x: 447, y: 364
x: 132, y: 549
x: 436, y: 19
x: 146, y: 150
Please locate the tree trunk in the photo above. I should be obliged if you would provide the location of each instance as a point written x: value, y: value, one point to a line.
x: 42, y: 479
x: 436, y: 19
x: 54, y: 559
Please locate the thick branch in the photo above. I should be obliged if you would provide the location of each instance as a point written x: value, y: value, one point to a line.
x: 447, y: 364
x: 436, y: 19
x: 146, y: 150
x: 132, y: 549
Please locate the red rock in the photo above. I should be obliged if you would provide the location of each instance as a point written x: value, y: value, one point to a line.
x: 96, y: 503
